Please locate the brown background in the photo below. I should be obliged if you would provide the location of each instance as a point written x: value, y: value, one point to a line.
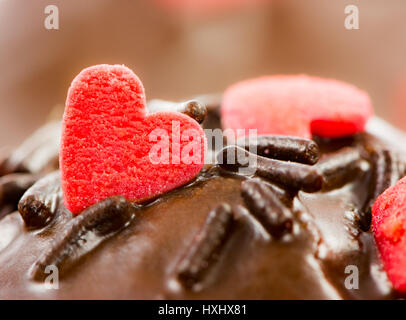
x: 179, y: 55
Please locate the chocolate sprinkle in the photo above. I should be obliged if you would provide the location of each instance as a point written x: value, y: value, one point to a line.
x: 284, y: 148
x: 211, y: 101
x: 204, y: 249
x: 282, y: 194
x: 385, y: 173
x: 266, y: 207
x: 291, y: 175
x: 213, y: 104
x: 192, y: 108
x: 40, y: 203
x: 101, y: 220
x: 352, y: 218
x: 402, y: 168
x: 340, y: 167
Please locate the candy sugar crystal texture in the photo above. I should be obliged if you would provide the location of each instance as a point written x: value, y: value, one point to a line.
x: 389, y: 226
x: 299, y: 106
x: 111, y: 145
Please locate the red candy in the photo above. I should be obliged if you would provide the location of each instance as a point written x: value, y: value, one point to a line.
x: 206, y: 6
x: 389, y: 226
x: 299, y: 106
x: 108, y: 141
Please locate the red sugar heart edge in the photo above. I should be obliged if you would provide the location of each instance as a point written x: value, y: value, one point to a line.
x: 389, y: 227
x: 296, y: 105
x: 108, y: 141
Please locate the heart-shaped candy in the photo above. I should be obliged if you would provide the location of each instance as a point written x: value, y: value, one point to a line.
x: 201, y: 7
x: 110, y: 145
x: 389, y: 226
x: 299, y: 106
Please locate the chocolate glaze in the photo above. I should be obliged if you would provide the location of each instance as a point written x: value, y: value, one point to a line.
x: 141, y: 258
x: 84, y: 233
x: 38, y: 153
x: 13, y: 186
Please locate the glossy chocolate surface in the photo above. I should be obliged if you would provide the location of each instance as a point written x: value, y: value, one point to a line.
x: 240, y: 257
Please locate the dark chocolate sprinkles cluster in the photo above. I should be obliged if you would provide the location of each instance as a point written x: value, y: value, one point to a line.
x: 284, y: 168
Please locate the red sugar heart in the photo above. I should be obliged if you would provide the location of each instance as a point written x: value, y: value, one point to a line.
x: 206, y: 6
x: 389, y: 227
x: 106, y: 148
x: 296, y: 106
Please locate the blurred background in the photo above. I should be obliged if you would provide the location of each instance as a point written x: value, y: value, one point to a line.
x: 182, y: 48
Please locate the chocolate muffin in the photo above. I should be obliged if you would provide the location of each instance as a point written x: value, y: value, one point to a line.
x: 295, y: 228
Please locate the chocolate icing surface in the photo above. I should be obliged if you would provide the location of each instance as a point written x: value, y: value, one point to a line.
x: 141, y: 260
